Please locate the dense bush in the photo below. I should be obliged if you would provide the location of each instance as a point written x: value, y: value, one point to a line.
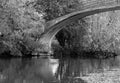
x: 20, y: 26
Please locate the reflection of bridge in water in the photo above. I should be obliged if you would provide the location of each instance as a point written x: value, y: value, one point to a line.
x: 54, y: 26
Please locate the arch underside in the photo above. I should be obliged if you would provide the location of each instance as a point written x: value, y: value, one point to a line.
x: 57, y: 24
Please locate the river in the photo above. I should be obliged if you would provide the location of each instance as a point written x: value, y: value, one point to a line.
x: 49, y: 70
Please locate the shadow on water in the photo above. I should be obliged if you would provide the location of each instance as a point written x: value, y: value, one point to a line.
x: 47, y: 70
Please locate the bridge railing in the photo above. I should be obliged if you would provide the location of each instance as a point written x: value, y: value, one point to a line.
x: 98, y: 3
x: 87, y: 4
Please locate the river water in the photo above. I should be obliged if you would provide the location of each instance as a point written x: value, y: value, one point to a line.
x: 47, y: 70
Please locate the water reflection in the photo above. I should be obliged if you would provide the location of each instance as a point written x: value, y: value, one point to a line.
x: 46, y: 70
x: 71, y: 70
x: 28, y: 70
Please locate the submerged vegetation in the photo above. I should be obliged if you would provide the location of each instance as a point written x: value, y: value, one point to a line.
x: 22, y: 22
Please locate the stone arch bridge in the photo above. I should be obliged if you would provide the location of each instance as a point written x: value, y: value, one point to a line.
x: 54, y: 26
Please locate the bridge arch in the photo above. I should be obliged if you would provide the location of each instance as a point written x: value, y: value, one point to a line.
x: 54, y: 26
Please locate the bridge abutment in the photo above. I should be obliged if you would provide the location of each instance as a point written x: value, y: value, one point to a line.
x: 44, y: 48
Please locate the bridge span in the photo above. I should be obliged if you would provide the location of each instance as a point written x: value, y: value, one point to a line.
x: 54, y: 26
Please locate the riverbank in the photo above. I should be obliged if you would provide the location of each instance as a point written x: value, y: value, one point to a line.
x: 71, y: 53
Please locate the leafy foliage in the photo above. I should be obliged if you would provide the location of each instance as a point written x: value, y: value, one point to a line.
x: 22, y: 22
x: 99, y: 32
x: 20, y: 26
